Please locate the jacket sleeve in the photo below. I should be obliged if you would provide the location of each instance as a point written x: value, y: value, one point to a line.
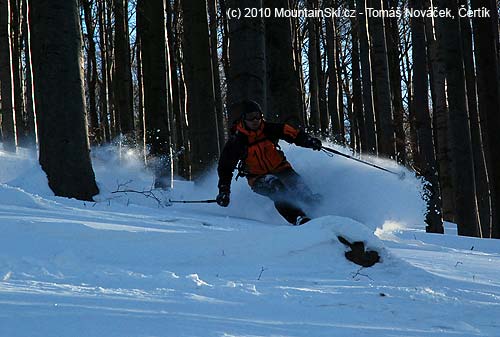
x: 288, y: 133
x: 231, y: 154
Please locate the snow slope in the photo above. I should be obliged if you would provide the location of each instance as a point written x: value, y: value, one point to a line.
x: 127, y: 265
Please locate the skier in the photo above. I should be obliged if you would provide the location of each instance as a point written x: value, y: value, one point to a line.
x: 253, y: 143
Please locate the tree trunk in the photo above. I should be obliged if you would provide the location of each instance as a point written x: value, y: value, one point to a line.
x: 323, y: 108
x: 331, y: 50
x: 427, y: 160
x: 481, y: 178
x: 122, y: 71
x: 440, y: 116
x: 214, y: 57
x: 30, y: 130
x: 366, y: 79
x: 94, y: 134
x: 103, y: 85
x: 340, y: 83
x: 283, y: 89
x: 353, y: 127
x: 381, y: 84
x: 463, y: 169
x: 486, y: 56
x: 151, y: 30
x: 393, y: 49
x: 8, y: 127
x: 59, y: 97
x: 19, y: 106
x: 201, y: 108
x: 246, y: 78
x: 312, y: 56
x: 224, y: 27
x: 114, y: 118
x: 357, y: 98
x: 181, y: 160
x: 298, y: 42
x: 141, y: 129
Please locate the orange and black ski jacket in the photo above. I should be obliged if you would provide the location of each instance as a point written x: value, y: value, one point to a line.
x: 257, y: 150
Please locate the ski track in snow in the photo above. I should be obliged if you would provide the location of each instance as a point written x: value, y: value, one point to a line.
x: 126, y: 267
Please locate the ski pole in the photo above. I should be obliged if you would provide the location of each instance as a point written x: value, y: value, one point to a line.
x: 327, y: 149
x: 193, y: 201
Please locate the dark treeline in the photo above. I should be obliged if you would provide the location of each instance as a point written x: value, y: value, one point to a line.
x: 166, y: 76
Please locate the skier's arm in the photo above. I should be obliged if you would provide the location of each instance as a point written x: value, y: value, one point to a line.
x: 228, y: 160
x: 295, y: 136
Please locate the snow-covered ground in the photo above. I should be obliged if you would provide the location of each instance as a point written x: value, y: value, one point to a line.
x: 127, y: 266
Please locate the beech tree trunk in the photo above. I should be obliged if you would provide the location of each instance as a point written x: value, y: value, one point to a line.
x: 59, y: 98
x: 19, y: 105
x: 366, y: 79
x: 435, y: 56
x: 480, y: 173
x: 151, y: 29
x: 8, y: 127
x: 312, y: 56
x: 486, y: 56
x: 381, y: 84
x: 463, y: 167
x: 201, y: 105
x: 283, y: 89
x: 122, y: 71
x: 246, y: 76
x: 103, y: 84
x: 357, y: 98
x: 331, y: 51
x: 214, y: 57
x: 426, y: 157
x: 91, y: 73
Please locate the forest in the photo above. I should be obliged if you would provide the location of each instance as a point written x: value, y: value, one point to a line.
x: 415, y: 81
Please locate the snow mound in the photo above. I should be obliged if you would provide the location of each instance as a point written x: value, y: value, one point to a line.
x: 334, y: 226
x: 16, y: 196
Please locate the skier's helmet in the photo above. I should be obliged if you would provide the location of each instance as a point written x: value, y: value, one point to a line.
x: 248, y: 106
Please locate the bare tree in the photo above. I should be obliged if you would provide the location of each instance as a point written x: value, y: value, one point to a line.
x: 151, y: 30
x: 214, y: 57
x: 487, y: 65
x: 283, y: 88
x: 30, y: 131
x: 178, y: 94
x: 123, y: 94
x: 366, y: 78
x: 381, y: 84
x: 437, y: 74
x: 246, y: 76
x: 331, y: 55
x: 426, y: 160
x: 7, y: 109
x: 463, y: 169
x: 393, y: 50
x: 18, y: 89
x: 104, y: 91
x: 480, y: 174
x: 357, y: 97
x: 313, y: 68
x: 60, y: 103
x: 201, y: 109
x: 91, y: 72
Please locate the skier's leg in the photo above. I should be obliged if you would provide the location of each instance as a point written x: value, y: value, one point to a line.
x: 289, y: 211
x: 298, y: 188
x: 272, y: 187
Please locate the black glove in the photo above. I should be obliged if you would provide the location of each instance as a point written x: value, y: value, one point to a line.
x: 223, y: 196
x: 223, y: 199
x: 314, y: 143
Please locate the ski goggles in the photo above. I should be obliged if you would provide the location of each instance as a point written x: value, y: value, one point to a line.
x: 256, y: 117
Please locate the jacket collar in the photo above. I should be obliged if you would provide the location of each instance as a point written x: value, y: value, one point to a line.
x: 243, y: 129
